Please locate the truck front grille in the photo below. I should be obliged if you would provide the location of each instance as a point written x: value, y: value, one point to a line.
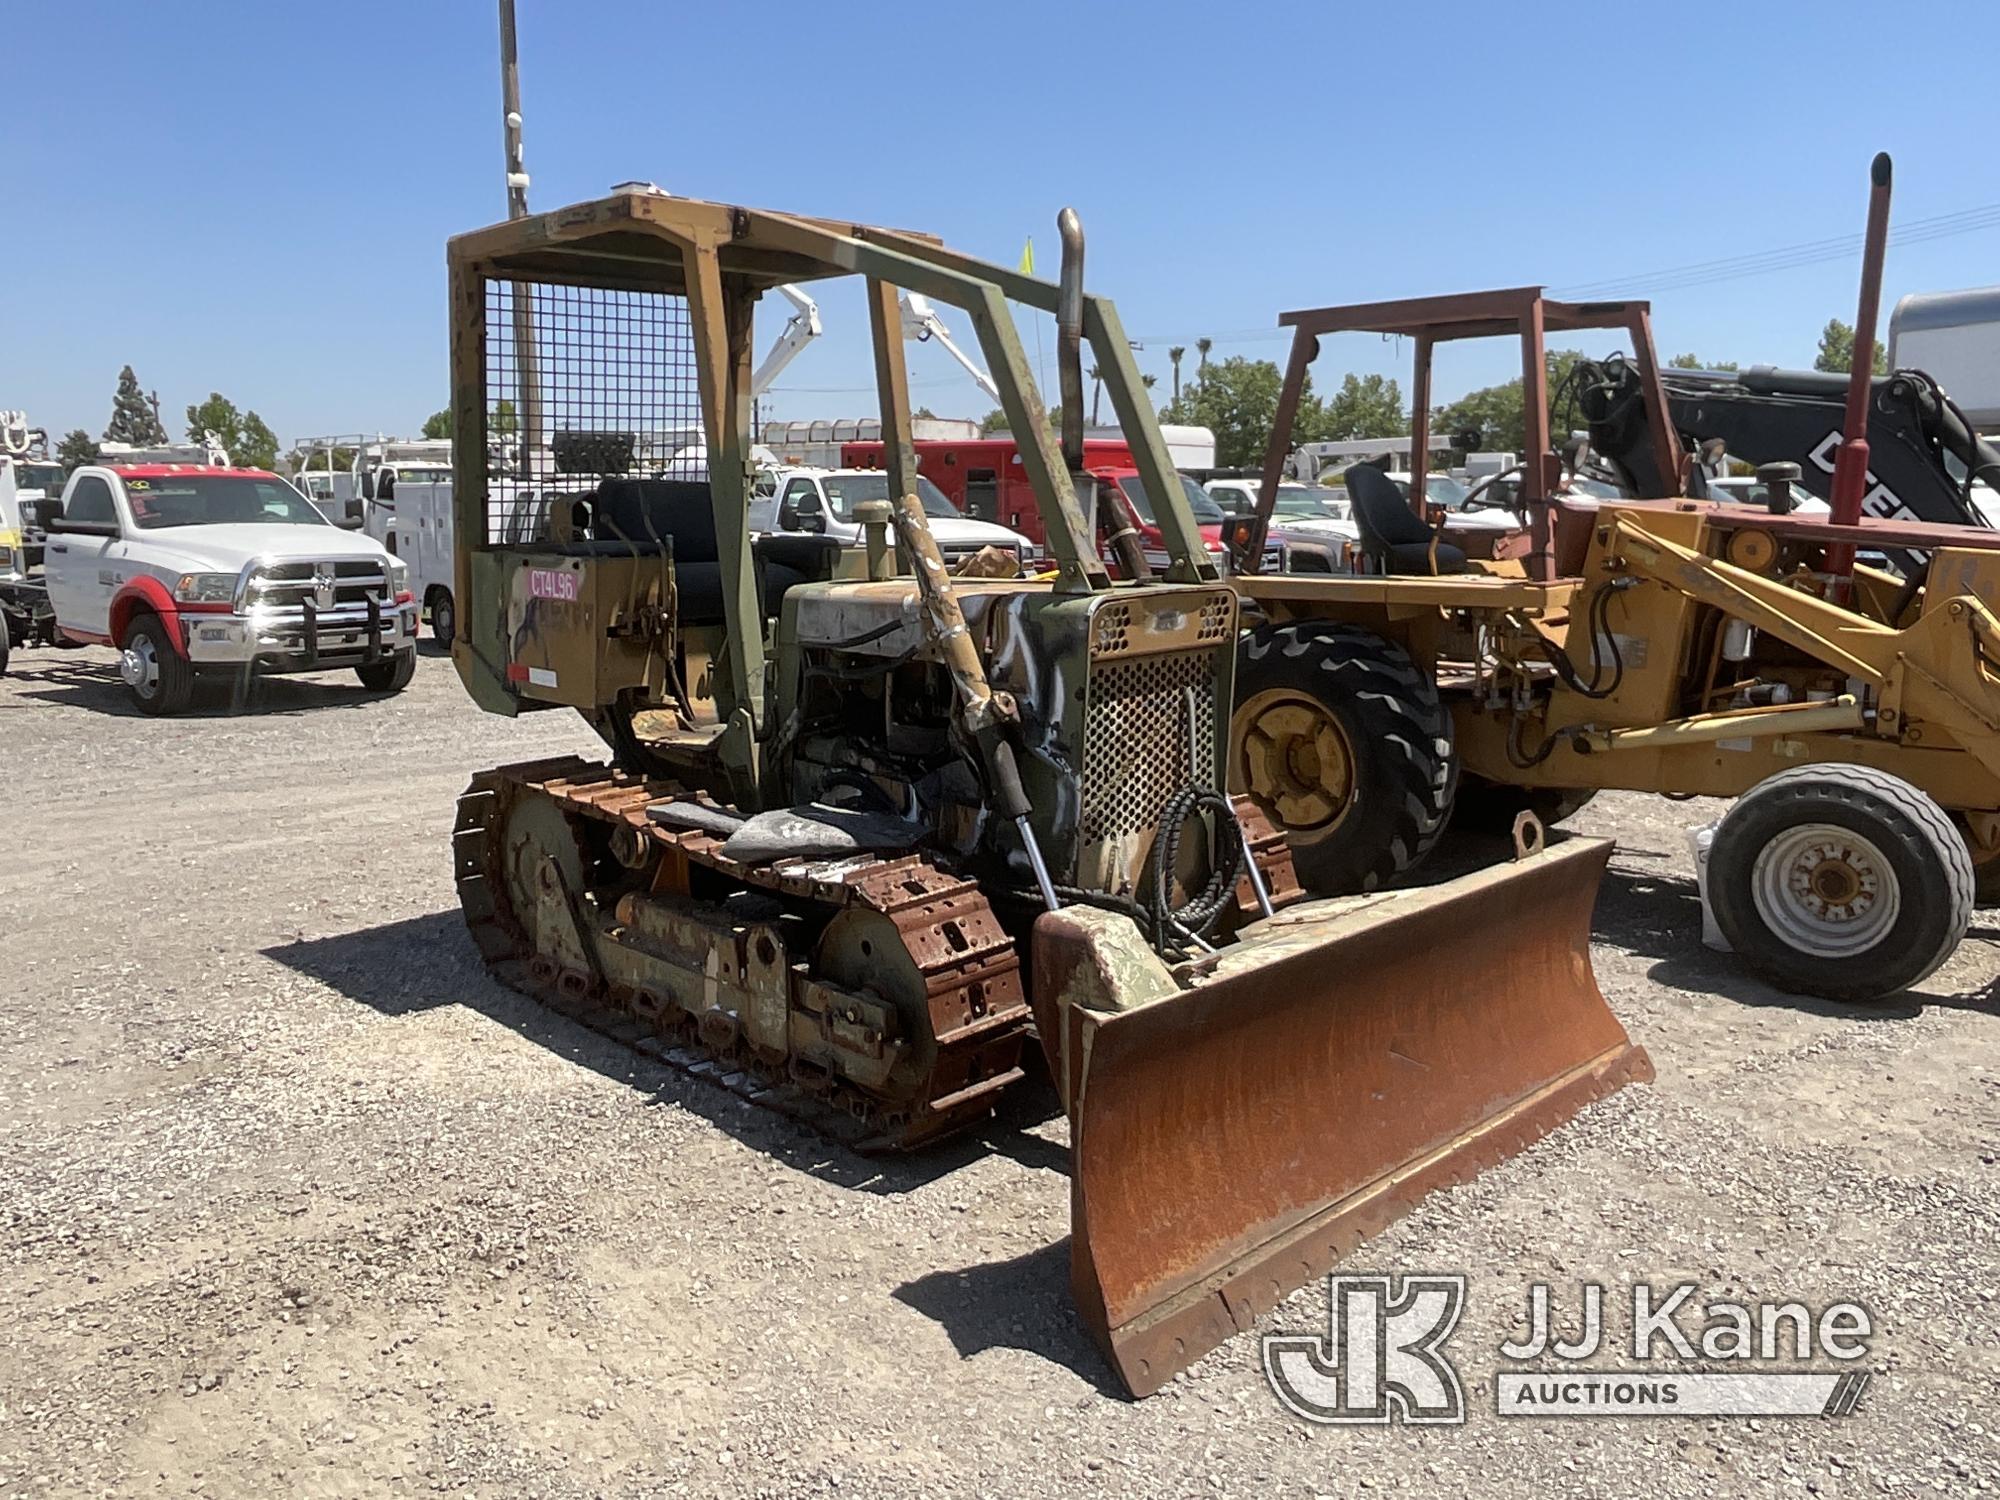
x: 290, y: 585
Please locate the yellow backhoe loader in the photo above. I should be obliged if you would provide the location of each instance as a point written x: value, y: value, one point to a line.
x: 868, y: 826
x: 1669, y: 645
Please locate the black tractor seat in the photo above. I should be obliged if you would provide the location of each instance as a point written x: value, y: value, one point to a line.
x: 677, y: 516
x: 1391, y: 533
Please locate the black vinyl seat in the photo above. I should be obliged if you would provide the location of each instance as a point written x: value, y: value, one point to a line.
x: 1391, y: 534
x: 677, y: 516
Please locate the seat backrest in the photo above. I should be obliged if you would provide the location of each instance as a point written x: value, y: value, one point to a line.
x: 642, y: 510
x: 1381, y: 513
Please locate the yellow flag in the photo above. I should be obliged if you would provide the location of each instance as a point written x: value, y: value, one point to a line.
x: 1028, y: 257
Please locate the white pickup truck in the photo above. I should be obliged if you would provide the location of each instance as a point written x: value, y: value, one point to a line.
x: 822, y: 501
x: 191, y: 569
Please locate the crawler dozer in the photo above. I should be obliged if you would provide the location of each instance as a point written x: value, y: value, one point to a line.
x: 1667, y: 645
x: 868, y: 827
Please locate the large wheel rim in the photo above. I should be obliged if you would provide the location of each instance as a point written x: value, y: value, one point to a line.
x: 1294, y: 759
x: 1826, y: 890
x: 139, y: 665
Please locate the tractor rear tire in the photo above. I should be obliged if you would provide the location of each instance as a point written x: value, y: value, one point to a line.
x: 1840, y: 881
x: 1339, y: 738
x: 6, y: 646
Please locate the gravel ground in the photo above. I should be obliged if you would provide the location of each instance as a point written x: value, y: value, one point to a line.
x: 295, y: 1200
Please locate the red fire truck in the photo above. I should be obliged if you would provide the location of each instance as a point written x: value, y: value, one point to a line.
x: 984, y: 478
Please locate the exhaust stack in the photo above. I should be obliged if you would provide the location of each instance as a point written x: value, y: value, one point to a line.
x: 1069, y: 336
x: 1850, y: 465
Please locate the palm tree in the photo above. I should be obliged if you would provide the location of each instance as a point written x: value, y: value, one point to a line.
x: 1096, y: 390
x: 1201, y: 347
x: 1175, y: 354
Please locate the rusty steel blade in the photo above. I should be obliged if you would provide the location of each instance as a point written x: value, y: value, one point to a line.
x: 1231, y: 1141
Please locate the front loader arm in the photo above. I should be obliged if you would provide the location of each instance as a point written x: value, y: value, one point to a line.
x: 1942, y: 670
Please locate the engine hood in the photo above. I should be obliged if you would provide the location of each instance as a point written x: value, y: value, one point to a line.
x: 966, y: 532
x: 225, y: 549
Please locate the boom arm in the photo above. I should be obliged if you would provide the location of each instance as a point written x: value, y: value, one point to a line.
x: 800, y: 329
x: 1765, y: 415
x: 921, y: 324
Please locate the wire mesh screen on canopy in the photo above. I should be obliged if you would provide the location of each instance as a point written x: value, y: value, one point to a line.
x: 584, y: 384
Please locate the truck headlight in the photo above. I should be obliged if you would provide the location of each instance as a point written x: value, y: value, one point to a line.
x: 205, y: 588
x: 399, y: 578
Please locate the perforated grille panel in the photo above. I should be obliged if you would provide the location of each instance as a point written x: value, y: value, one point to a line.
x: 1151, y: 732
x: 583, y: 384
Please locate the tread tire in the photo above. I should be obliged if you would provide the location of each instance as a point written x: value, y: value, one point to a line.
x: 1925, y: 851
x: 1405, y: 769
x: 390, y: 676
x: 175, y: 689
x: 444, y: 618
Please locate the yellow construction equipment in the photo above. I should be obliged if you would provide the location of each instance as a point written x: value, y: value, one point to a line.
x: 1673, y: 645
x: 868, y: 825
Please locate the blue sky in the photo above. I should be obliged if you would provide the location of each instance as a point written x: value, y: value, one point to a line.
x: 254, y: 197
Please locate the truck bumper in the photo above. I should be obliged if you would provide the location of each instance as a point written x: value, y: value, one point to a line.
x: 300, y: 640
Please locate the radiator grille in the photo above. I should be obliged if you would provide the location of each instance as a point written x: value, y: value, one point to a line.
x: 1139, y: 750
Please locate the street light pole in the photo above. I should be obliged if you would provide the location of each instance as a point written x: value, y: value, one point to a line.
x: 510, y: 104
x: 526, y: 361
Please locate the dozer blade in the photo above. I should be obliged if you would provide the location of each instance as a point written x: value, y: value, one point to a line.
x: 1235, y: 1133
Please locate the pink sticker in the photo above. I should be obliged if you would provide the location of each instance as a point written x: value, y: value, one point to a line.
x: 552, y: 583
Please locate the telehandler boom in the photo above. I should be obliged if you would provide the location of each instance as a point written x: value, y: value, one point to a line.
x: 868, y: 825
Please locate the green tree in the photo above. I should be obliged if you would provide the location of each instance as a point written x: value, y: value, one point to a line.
x: 438, y: 424
x: 1365, y: 406
x: 250, y: 441
x: 1237, y: 400
x: 76, y: 450
x: 133, y: 418
x: 994, y: 421
x: 503, y: 421
x: 256, y: 445
x: 923, y: 414
x: 1836, y: 350
x: 1490, y: 419
x: 1696, y: 362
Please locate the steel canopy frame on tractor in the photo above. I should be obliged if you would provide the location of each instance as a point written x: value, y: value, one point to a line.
x: 868, y: 825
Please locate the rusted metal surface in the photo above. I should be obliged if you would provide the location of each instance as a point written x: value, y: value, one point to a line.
x: 963, y: 1035
x: 1850, y: 463
x: 1234, y: 1139
x: 1522, y: 312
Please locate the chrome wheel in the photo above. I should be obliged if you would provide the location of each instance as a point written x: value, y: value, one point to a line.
x: 1826, y: 890
x: 139, y: 666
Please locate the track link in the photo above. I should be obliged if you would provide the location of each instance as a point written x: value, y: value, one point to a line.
x: 970, y: 969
